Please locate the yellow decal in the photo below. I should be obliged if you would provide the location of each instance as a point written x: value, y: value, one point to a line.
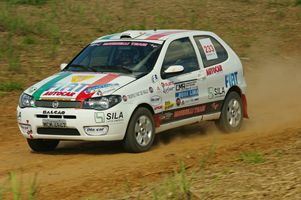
x: 76, y: 79
x: 168, y: 105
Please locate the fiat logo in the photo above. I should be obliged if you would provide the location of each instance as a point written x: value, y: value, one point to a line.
x: 55, y: 104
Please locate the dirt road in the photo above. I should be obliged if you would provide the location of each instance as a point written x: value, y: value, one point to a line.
x: 84, y: 169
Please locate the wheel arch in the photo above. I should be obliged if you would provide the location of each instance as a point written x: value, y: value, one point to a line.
x: 243, y: 99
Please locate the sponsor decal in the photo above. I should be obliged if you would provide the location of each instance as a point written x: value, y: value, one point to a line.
x: 53, y: 112
x: 60, y: 94
x: 186, y: 89
x: 137, y: 94
x: 168, y: 105
x: 96, y: 131
x: 116, y: 43
x: 114, y: 117
x: 151, y: 90
x: 159, y: 107
x: 215, y: 92
x: 97, y: 88
x: 187, y: 85
x: 178, y: 101
x: 48, y: 84
x: 166, y: 116
x: 124, y: 98
x: 215, y: 105
x: 190, y: 101
x: 99, y: 117
x: 231, y: 79
x: 187, y: 94
x: 208, y: 48
x: 190, y: 111
x: 167, y: 87
x: 102, y: 81
x: 214, y: 70
x: 26, y: 128
x: 76, y: 79
x: 154, y: 78
x: 156, y: 100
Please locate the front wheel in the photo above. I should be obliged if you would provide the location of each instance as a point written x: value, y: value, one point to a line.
x: 141, y: 131
x: 231, y: 116
x: 41, y: 145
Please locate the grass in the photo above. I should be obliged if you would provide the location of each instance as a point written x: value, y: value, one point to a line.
x: 30, y: 2
x: 177, y: 186
x: 16, y: 188
x: 252, y: 157
x: 11, y: 86
x: 298, y: 3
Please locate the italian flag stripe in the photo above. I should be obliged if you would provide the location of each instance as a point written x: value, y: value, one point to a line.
x: 44, y: 87
x: 108, y: 78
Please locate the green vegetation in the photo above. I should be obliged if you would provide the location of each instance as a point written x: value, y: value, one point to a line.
x: 177, y: 186
x: 252, y: 157
x: 31, y: 2
x: 11, y: 86
x: 298, y: 2
x: 12, y: 187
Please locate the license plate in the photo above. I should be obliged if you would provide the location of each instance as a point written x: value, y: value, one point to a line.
x: 54, y: 123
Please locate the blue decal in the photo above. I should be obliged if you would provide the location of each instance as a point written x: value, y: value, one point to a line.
x: 187, y: 93
x: 231, y: 79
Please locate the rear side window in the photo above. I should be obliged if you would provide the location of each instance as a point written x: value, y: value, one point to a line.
x: 212, y: 52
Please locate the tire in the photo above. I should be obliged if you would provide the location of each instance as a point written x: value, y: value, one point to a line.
x: 140, y: 133
x: 231, y: 115
x: 40, y: 145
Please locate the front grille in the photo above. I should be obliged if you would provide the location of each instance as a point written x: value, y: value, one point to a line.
x: 56, y: 116
x: 58, y: 131
x: 61, y: 104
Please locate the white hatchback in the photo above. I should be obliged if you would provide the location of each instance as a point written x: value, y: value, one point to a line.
x: 129, y: 86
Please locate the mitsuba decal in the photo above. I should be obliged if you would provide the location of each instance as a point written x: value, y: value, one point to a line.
x: 53, y: 112
x: 214, y: 70
x: 231, y: 79
x: 215, y: 92
x: 114, y: 117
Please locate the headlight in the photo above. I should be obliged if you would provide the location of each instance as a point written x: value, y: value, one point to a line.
x: 26, y: 101
x: 102, y: 103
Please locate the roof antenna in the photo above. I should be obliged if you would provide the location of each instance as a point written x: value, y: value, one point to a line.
x: 155, y: 29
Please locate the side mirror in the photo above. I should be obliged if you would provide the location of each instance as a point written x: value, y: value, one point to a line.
x: 174, y: 69
x: 63, y: 65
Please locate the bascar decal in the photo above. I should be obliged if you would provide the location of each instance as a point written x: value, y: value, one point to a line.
x: 47, y: 85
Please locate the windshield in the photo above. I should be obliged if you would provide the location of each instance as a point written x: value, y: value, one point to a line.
x: 120, y: 57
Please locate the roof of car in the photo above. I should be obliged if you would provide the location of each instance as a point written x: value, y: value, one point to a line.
x: 160, y: 35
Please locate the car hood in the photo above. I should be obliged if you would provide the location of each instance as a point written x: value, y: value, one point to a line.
x: 76, y: 86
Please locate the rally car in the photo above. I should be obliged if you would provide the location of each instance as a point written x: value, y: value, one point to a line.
x: 130, y: 85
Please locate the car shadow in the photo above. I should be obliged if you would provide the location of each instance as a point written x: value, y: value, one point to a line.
x: 115, y: 147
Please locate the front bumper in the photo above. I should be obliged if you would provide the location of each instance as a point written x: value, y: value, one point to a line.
x: 90, y: 125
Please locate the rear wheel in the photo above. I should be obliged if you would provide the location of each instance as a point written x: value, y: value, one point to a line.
x: 231, y: 116
x: 141, y: 131
x: 41, y: 145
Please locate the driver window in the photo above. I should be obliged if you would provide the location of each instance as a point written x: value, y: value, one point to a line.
x: 180, y: 52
